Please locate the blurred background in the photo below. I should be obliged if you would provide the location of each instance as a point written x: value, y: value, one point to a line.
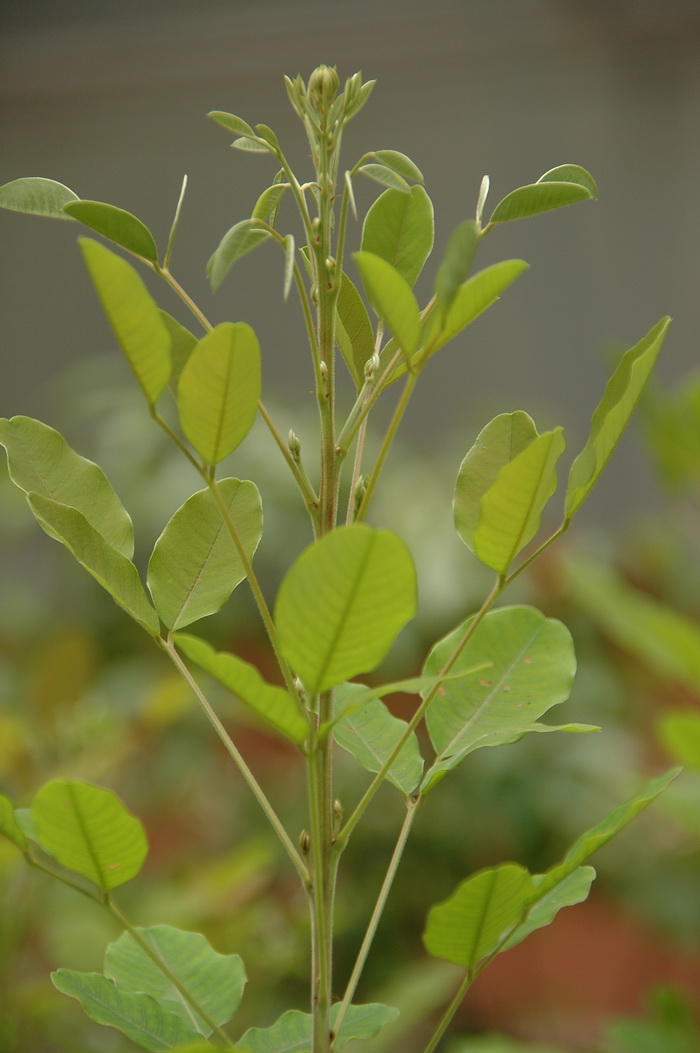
x: 110, y: 98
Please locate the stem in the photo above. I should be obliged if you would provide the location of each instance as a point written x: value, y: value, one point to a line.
x: 538, y: 551
x: 386, y: 444
x: 296, y: 468
x: 446, y: 1018
x: 320, y: 796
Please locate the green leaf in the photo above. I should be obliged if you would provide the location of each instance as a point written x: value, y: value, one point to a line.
x: 266, y: 133
x: 182, y: 343
x: 571, y: 174
x: 253, y: 146
x: 400, y: 228
x: 476, y: 918
x: 273, y: 704
x: 219, y: 390
x: 133, y: 316
x: 291, y: 1033
x: 538, y: 197
x: 110, y: 568
x: 36, y: 196
x: 214, y: 980
x: 241, y: 239
x: 175, y: 224
x: 353, y: 330
x: 232, y: 123
x: 612, y: 414
x: 196, y: 565
x: 267, y: 204
x: 399, y: 163
x: 391, y: 297
x: 456, y: 262
x: 512, y: 507
x: 386, y: 177
x: 472, y: 298
x: 40, y: 461
x: 114, y: 223
x: 679, y: 732
x: 342, y: 603
x: 89, y: 831
x: 574, y: 888
x: 532, y: 666
x: 289, y: 257
x: 9, y: 827
x: 497, y: 444
x: 371, y: 734
x: 138, y: 1016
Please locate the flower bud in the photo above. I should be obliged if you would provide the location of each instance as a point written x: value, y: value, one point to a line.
x: 294, y: 445
x: 323, y: 84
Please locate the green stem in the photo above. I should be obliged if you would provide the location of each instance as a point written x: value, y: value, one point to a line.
x: 447, y: 1016
x: 397, y: 416
x: 322, y: 896
x: 295, y: 466
x: 538, y: 551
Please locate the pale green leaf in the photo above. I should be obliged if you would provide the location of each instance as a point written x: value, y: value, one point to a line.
x: 392, y: 299
x: 371, y: 733
x: 196, y: 565
x: 456, y: 262
x: 574, y: 888
x: 110, y: 568
x: 241, y: 239
x: 116, y: 224
x: 219, y: 390
x: 273, y: 704
x: 353, y: 330
x: 133, y: 316
x: 399, y: 163
x: 88, y: 830
x: 36, y: 196
x: 571, y: 174
x: 40, y: 461
x: 231, y: 123
x: 215, y: 981
x: 289, y: 258
x: 266, y: 133
x: 481, y: 200
x: 267, y: 204
x: 9, y: 826
x: 385, y: 177
x: 531, y: 668
x: 182, y: 343
x: 612, y: 414
x: 252, y: 146
x: 136, y: 1015
x: 472, y: 298
x: 342, y: 604
x: 400, y: 228
x: 175, y: 224
x: 538, y: 197
x: 291, y: 1033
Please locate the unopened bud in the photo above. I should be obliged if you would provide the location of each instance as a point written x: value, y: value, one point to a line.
x: 330, y: 264
x: 371, y: 366
x: 299, y: 687
x: 304, y: 842
x: 294, y: 445
x: 323, y: 370
x: 360, y: 490
x: 323, y: 84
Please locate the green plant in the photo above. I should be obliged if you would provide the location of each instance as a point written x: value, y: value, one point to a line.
x: 343, y: 601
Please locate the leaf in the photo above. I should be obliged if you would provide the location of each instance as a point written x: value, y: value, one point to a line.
x: 291, y: 1033
x: 232, y: 123
x: 214, y: 980
x: 391, y: 297
x: 481, y: 200
x: 497, y: 444
x: 472, y: 298
x: 89, y: 831
x: 36, y: 196
x: 371, y: 734
x: 456, y: 263
x: 219, y: 390
x: 116, y: 224
x: 574, y: 888
x: 399, y: 163
x: 400, y: 228
x: 138, y: 1016
x: 182, y: 343
x: 175, y: 224
x: 386, y: 177
x: 532, y: 666
x: 268, y: 135
x: 133, y: 316
x: 289, y: 256
x: 253, y: 146
x: 9, y: 827
x: 110, y: 568
x: 267, y: 204
x: 475, y: 919
x: 241, y: 239
x: 273, y: 704
x: 537, y: 197
x: 342, y: 603
x: 512, y: 507
x: 612, y: 414
x: 571, y: 174
x: 353, y: 330
x: 40, y: 461
x: 196, y: 565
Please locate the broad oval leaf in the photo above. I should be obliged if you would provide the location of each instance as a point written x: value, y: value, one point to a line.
x: 110, y: 568
x: 479, y: 915
x: 538, y: 197
x: 237, y: 242
x: 252, y: 146
x: 571, y: 174
x: 353, y: 330
x: 342, y: 604
x: 9, y: 826
x: 267, y: 204
x: 386, y: 177
x: 400, y: 228
x: 453, y: 270
x: 371, y: 733
x: 40, y: 461
x: 232, y: 123
x: 196, y: 564
x: 133, y: 316
x: 399, y: 163
x: 496, y: 445
x: 471, y: 299
x: 215, y: 981
x: 273, y: 704
x: 219, y: 390
x: 136, y: 1015
x: 116, y: 224
x: 89, y: 831
x: 531, y: 665
x: 37, y: 196
x: 291, y: 1033
x: 391, y: 297
x: 613, y: 413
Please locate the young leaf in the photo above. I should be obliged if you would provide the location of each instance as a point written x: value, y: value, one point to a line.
x: 400, y: 228
x: 267, y: 204
x: 232, y: 123
x: 37, y: 196
x: 474, y: 920
x: 481, y: 200
x: 291, y: 1033
x: 114, y: 223
x: 273, y: 704
x: 133, y: 316
x: 219, y: 390
x: 110, y: 568
x: 512, y: 507
x: 136, y: 1015
x: 9, y: 826
x: 456, y: 262
x: 214, y: 980
x: 266, y: 133
x: 182, y: 343
x: 538, y: 197
x: 175, y: 224
x: 612, y: 415
x: 472, y: 298
x: 195, y: 565
x: 289, y: 255
x: 241, y: 239
x: 89, y: 831
x: 253, y: 146
x: 391, y: 296
x: 342, y: 603
x: 353, y: 330
x: 371, y: 733
x: 399, y: 163
x: 571, y: 174
x: 386, y: 177
x: 40, y: 461
x: 532, y: 666
x: 497, y: 444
